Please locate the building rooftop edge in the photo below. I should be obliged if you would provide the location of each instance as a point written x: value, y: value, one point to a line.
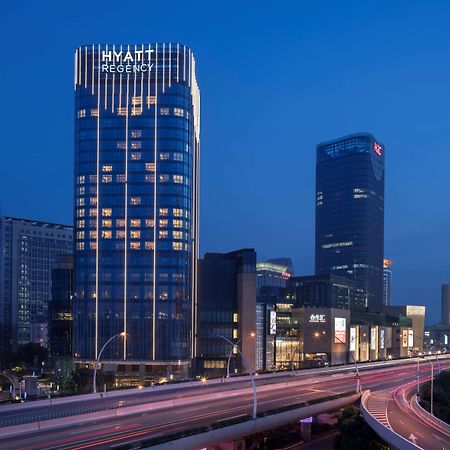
x: 348, y: 136
x: 38, y: 223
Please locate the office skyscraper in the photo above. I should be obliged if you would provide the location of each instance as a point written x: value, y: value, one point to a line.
x: 350, y: 214
x: 28, y: 252
x: 387, y: 282
x: 137, y: 125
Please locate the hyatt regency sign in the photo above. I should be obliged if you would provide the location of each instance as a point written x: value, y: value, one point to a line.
x: 126, y: 61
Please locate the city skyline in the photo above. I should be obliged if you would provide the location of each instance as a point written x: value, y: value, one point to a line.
x: 238, y: 191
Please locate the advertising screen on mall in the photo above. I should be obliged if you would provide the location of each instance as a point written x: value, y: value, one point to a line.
x: 340, y: 330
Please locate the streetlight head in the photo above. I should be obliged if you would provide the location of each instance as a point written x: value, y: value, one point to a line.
x: 123, y: 334
x: 252, y: 334
x: 316, y: 334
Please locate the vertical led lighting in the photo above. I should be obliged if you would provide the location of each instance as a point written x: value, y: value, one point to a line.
x: 155, y: 217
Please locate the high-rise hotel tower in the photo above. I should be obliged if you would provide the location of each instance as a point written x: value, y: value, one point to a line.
x: 137, y: 125
x: 350, y: 215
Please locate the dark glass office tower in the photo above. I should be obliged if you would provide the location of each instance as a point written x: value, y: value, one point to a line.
x: 137, y: 119
x: 350, y: 214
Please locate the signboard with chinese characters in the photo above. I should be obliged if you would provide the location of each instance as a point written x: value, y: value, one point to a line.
x: 317, y: 318
x: 340, y: 330
x: 404, y: 338
x: 273, y: 322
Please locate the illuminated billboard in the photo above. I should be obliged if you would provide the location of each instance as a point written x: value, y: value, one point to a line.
x: 273, y: 322
x: 352, y: 339
x: 404, y: 338
x: 373, y: 338
x: 340, y: 330
x: 410, y: 338
x: 382, y: 338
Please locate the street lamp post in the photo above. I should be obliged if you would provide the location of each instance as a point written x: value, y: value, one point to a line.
x: 250, y: 372
x: 12, y: 383
x: 94, y: 389
x: 235, y: 346
x: 358, y: 378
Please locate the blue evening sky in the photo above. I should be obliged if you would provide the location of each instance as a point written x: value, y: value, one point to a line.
x: 276, y: 78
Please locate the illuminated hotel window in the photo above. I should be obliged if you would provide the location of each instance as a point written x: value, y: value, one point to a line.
x: 149, y: 178
x: 136, y: 133
x: 93, y: 178
x: 149, y: 223
x: 121, y: 145
x: 121, y: 178
x: 149, y: 245
x: 163, y: 296
x: 178, y: 156
x: 106, y: 212
x: 137, y: 100
x: 164, y: 111
x: 164, y: 156
x: 120, y: 234
x: 93, y: 212
x: 135, y: 200
x: 93, y: 201
x: 93, y: 223
x: 80, y: 201
x: 80, y: 234
x: 135, y: 234
x: 94, y: 112
x: 81, y: 179
x: 163, y: 211
x: 93, y: 245
x: 178, y: 179
x: 107, y: 168
x: 80, y: 245
x: 150, y: 167
x: 106, y: 178
x: 120, y: 223
x: 135, y: 156
x: 151, y: 100
x: 92, y: 234
x: 135, y: 245
x: 80, y: 223
x: 178, y: 235
x: 178, y: 224
x: 235, y: 334
x: 235, y: 317
x: 135, y: 222
x: 136, y: 145
x: 81, y: 113
x: 177, y: 245
x: 179, y: 112
x: 122, y: 111
x: 163, y: 223
x: 107, y: 234
x: 186, y: 247
x: 81, y: 190
x: 164, y: 178
x: 107, y: 223
x: 178, y: 212
x: 163, y: 234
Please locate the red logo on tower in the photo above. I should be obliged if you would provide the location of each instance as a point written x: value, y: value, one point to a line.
x: 377, y: 148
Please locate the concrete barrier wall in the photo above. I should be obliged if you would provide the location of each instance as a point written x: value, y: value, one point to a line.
x: 390, y: 436
x: 428, y: 418
x: 259, y: 425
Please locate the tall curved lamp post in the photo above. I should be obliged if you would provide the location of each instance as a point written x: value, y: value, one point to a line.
x: 235, y: 346
x: 94, y: 388
x: 250, y: 372
x: 358, y: 383
x: 12, y: 383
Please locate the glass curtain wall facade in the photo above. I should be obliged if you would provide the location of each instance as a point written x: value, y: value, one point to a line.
x: 137, y: 125
x: 350, y: 214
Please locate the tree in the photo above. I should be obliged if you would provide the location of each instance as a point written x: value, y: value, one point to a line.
x: 355, y: 434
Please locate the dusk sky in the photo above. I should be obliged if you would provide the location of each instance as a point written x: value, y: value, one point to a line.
x: 276, y: 78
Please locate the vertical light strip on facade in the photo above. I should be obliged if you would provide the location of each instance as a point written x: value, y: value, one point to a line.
x: 85, y: 66
x: 125, y: 280
x: 155, y: 215
x: 170, y: 64
x: 184, y: 63
x: 93, y: 66
x: 113, y: 94
x: 164, y: 68
x: 98, y: 208
x: 79, y: 66
x: 178, y: 63
x: 75, y: 74
x: 106, y: 85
